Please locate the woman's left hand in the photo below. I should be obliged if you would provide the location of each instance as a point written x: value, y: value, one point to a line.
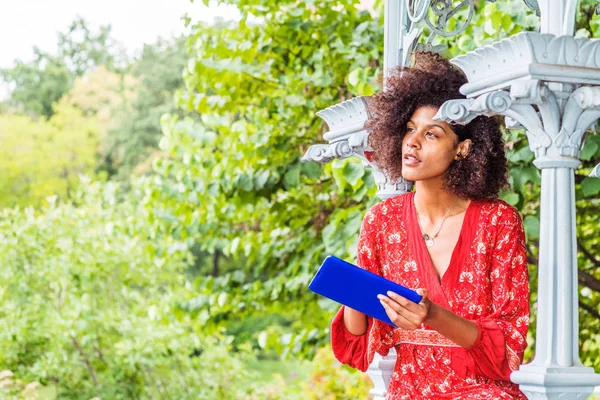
x: 403, y: 312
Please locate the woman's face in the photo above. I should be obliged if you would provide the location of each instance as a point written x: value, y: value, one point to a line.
x: 429, y: 147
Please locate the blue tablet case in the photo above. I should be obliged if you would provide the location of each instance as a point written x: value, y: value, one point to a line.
x: 356, y: 288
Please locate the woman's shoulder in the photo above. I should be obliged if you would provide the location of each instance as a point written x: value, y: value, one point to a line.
x: 499, y: 212
x: 391, y: 206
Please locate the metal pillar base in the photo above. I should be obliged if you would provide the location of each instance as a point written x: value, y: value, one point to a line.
x: 380, y: 371
x: 556, y: 383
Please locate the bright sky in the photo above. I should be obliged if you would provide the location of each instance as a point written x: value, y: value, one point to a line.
x: 28, y: 23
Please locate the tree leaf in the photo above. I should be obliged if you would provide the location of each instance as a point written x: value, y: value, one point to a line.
x: 311, y: 170
x: 353, y: 172
x: 590, y: 186
x: 244, y: 182
x: 511, y: 198
x: 261, y: 179
x: 292, y: 176
x: 262, y: 339
x: 589, y: 150
x: 531, y: 224
x: 353, y: 77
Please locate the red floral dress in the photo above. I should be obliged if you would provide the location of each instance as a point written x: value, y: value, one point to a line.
x: 486, y: 282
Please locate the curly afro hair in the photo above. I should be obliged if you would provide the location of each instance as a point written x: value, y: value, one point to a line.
x: 430, y: 82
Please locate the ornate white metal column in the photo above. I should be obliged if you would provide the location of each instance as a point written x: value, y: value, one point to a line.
x: 347, y: 136
x: 548, y: 85
x: 403, y: 26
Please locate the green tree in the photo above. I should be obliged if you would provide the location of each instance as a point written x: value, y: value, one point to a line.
x: 39, y: 84
x: 40, y: 158
x: 132, y: 144
x: 233, y: 179
x: 83, y: 50
x: 102, y: 94
x: 234, y: 182
x: 91, y: 304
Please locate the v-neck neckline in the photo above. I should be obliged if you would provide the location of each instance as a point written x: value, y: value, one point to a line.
x: 435, y: 283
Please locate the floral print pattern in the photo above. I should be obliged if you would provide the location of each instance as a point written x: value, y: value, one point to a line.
x: 486, y: 282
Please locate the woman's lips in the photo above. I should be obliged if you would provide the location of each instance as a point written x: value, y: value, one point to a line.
x: 410, y: 159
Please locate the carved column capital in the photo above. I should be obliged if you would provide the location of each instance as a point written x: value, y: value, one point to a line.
x: 348, y: 138
x: 532, y: 79
x: 532, y: 105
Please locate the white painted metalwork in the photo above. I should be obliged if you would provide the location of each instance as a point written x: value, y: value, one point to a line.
x: 550, y: 88
x: 380, y: 371
x: 404, y: 23
x: 547, y: 83
x: 348, y: 137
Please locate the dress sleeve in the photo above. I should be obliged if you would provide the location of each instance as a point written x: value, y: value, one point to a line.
x: 501, y: 342
x: 359, y: 351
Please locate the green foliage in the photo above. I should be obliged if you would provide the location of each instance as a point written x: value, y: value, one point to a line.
x: 39, y: 84
x: 102, y: 94
x: 91, y: 304
x: 40, y: 158
x: 328, y: 379
x: 234, y: 180
x: 137, y: 132
x: 83, y: 50
x: 11, y: 388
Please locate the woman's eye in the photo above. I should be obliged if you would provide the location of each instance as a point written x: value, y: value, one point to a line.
x: 409, y: 130
x: 431, y: 135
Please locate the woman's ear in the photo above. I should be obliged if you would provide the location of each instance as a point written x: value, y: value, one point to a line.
x: 463, y: 149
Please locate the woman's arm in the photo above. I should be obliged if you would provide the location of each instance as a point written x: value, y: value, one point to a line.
x: 355, y: 322
x: 354, y: 337
x: 408, y: 315
x: 460, y: 330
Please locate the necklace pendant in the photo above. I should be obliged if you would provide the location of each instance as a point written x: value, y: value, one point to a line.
x: 428, y: 240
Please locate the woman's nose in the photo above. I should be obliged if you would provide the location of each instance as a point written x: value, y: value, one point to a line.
x: 411, y: 142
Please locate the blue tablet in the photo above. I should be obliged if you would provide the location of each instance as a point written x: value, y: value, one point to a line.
x: 357, y: 288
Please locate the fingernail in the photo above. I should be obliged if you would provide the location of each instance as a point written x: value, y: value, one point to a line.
x: 390, y: 293
x: 380, y: 296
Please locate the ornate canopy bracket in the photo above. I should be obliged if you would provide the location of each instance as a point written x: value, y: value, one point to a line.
x: 596, y: 172
x: 537, y: 92
x: 348, y: 137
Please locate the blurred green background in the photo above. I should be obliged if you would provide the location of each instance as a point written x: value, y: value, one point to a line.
x: 158, y: 230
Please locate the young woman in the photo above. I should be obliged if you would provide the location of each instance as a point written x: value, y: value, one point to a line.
x: 452, y: 239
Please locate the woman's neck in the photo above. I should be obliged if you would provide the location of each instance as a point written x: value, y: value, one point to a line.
x: 433, y: 202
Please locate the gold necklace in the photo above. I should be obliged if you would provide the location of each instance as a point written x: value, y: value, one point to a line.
x: 429, y: 240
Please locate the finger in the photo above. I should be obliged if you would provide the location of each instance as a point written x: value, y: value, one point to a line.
x: 412, y: 319
x: 391, y: 313
x: 423, y: 293
x: 398, y: 319
x: 391, y: 303
x: 415, y: 313
x: 407, y: 323
x: 404, y: 302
